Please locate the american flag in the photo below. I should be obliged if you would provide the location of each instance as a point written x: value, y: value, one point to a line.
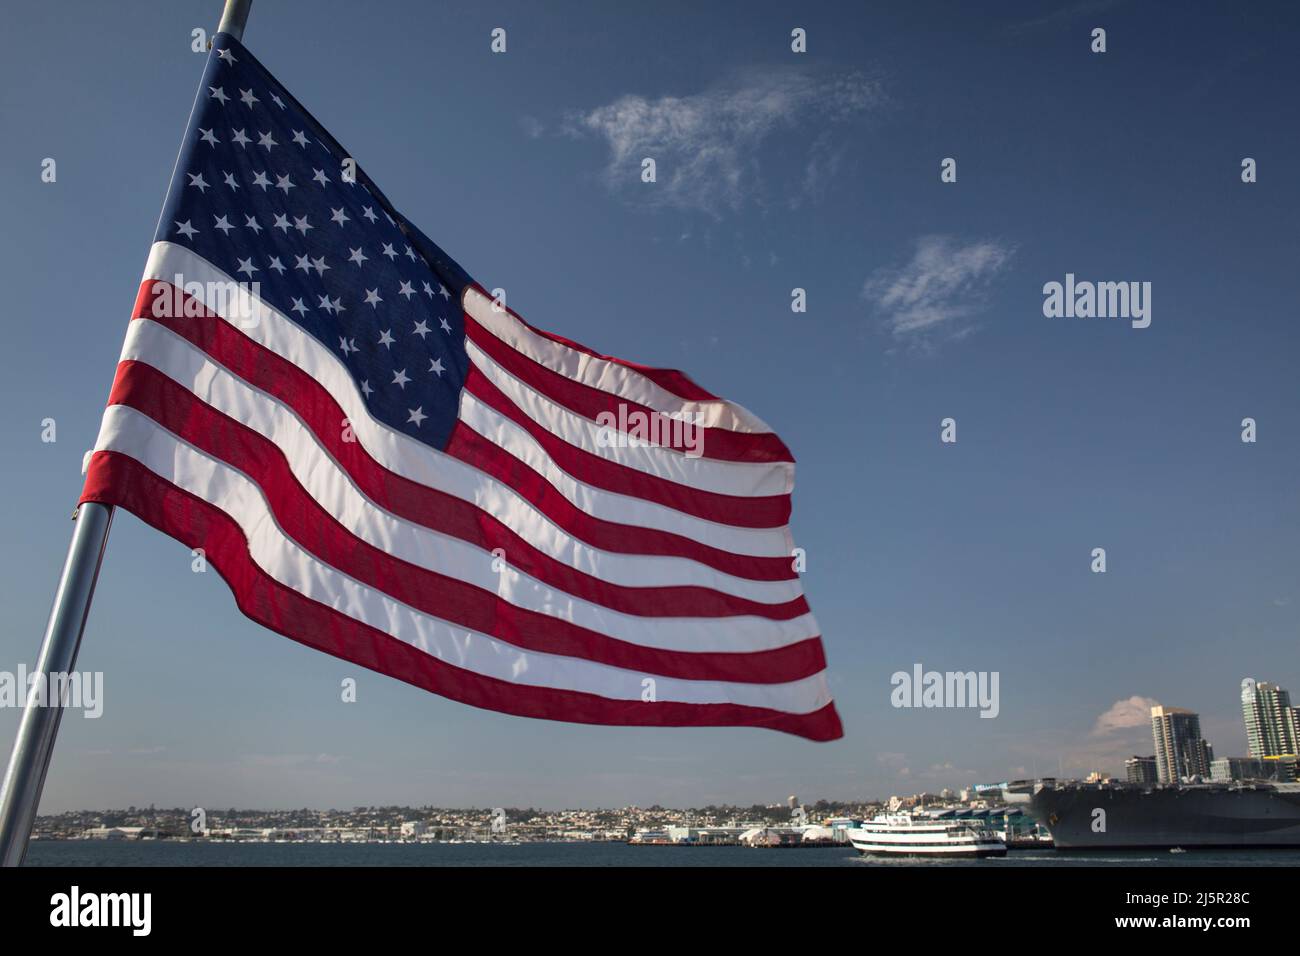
x: 387, y: 464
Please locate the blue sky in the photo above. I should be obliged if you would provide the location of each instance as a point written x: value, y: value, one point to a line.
x: 776, y: 170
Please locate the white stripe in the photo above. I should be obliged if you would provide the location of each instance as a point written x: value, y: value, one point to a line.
x: 132, y: 433
x: 419, y: 462
x: 195, y: 370
x: 748, y: 479
x: 334, y: 489
x: 519, y: 443
x: 611, y: 377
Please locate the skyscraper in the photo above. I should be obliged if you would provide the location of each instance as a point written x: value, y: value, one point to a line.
x: 1271, y: 724
x: 1180, y: 749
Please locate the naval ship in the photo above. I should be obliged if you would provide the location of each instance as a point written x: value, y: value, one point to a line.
x: 1109, y: 816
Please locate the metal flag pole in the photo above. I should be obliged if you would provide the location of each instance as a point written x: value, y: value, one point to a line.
x: 20, y: 792
x: 234, y: 17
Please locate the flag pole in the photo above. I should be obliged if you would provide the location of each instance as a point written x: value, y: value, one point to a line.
x: 234, y: 17
x: 20, y: 792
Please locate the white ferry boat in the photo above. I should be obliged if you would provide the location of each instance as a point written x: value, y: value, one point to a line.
x: 897, y: 834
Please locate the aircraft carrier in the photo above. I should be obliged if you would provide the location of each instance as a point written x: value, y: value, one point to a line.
x: 1109, y: 816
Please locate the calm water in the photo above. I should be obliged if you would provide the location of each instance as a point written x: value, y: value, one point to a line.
x: 103, y: 853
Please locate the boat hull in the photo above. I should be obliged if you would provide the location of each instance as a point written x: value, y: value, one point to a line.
x: 1107, y: 818
x: 928, y: 841
x: 974, y: 852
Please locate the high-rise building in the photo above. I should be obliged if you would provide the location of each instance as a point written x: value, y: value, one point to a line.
x: 1141, y: 770
x: 1271, y: 722
x: 1180, y: 749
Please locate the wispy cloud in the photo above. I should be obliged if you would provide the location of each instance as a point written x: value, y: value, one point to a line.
x: 706, y: 145
x: 1125, y: 714
x: 940, y: 288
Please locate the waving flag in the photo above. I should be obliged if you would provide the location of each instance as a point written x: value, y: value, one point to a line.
x: 386, y: 464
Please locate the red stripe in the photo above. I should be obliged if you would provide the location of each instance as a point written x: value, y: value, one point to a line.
x: 119, y: 480
x: 152, y: 392
x: 304, y: 520
x: 265, y: 369
x: 720, y: 444
x: 770, y: 511
x: 471, y: 447
x: 679, y: 383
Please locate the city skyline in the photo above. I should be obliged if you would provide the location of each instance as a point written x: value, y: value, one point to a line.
x: 822, y: 171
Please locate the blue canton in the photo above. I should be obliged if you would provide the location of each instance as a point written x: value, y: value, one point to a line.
x: 263, y: 192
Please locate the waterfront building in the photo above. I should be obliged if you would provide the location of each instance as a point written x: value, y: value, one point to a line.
x: 1181, y: 751
x: 1281, y: 769
x: 1141, y: 770
x: 1227, y: 769
x: 1271, y: 722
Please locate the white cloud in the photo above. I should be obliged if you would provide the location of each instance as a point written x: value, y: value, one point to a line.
x: 705, y: 145
x: 940, y: 288
x: 1126, y: 714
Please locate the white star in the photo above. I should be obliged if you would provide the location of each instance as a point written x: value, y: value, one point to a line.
x: 230, y: 180
x: 303, y: 263
x: 218, y: 94
x: 320, y: 177
x: 390, y: 251
x: 407, y: 290
x: 267, y: 140
x: 186, y: 230
x: 339, y: 216
x: 445, y: 326
x: 223, y: 225
x: 442, y: 291
x: 319, y: 265
x: 417, y: 415
x: 400, y: 379
x: 357, y: 256
x: 261, y: 180
x: 283, y: 182
x: 248, y: 98
x: 246, y: 265
x: 253, y: 224
x: 422, y: 328
x: 390, y: 219
x: 298, y: 307
x: 436, y: 366
x: 428, y: 290
x: 369, y: 213
x: 372, y: 297
x: 301, y: 224
x: 281, y: 222
x: 410, y: 254
x: 198, y: 181
x: 208, y: 137
x: 338, y: 302
x: 366, y: 389
x: 277, y: 265
x: 227, y: 56
x: 385, y: 339
x: 277, y: 101
x: 326, y: 304
x: 240, y: 138
x: 299, y: 138
x: 343, y: 345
